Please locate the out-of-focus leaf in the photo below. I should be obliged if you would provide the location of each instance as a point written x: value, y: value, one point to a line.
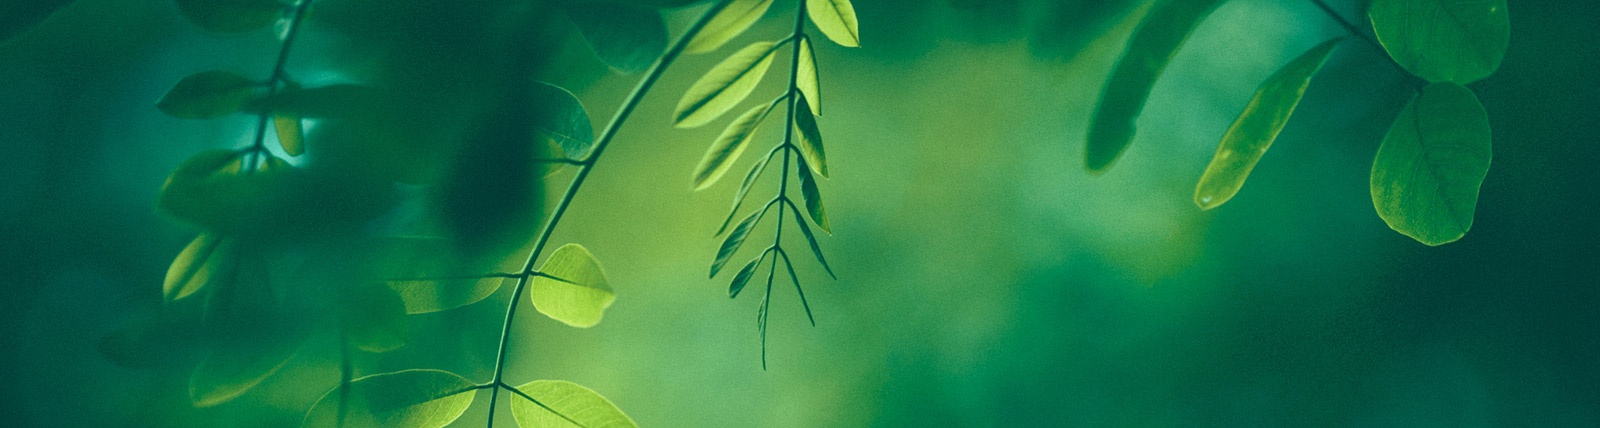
x: 560, y: 116
x: 735, y: 239
x: 726, y: 150
x: 252, y: 337
x: 290, y: 134
x: 808, y: 188
x: 807, y: 78
x: 627, y: 38
x: 428, y: 276
x: 339, y: 101
x: 743, y: 278
x: 744, y: 189
x: 210, y: 189
x: 836, y: 19
x: 1154, y: 43
x: 375, y: 318
x: 811, y: 239
x: 724, y: 86
x: 404, y: 399
x: 576, y: 291
x: 563, y: 404
x: 208, y: 258
x: 728, y: 23
x: 231, y: 16
x: 1427, y: 173
x: 810, y: 141
x: 1255, y: 129
x: 208, y: 94
x: 17, y: 16
x: 492, y: 196
x: 165, y: 340
x: 1459, y: 41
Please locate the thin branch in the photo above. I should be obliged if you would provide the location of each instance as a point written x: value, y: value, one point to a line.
x: 1348, y: 26
x: 278, y: 76
x: 796, y: 279
x: 600, y: 146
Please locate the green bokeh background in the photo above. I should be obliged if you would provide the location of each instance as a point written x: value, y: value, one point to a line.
x: 985, y: 279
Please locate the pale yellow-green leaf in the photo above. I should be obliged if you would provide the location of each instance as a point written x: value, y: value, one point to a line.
x: 208, y: 258
x: 728, y: 146
x: 728, y: 23
x: 836, y: 19
x: 290, y: 134
x: 404, y: 399
x: 563, y: 404
x: 724, y: 86
x: 814, y: 208
x: 807, y: 78
x: 810, y: 141
x: 576, y: 291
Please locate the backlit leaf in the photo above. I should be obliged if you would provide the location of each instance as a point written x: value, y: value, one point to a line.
x: 576, y: 291
x: 810, y: 141
x: 208, y: 94
x: 743, y: 277
x: 807, y: 79
x: 724, y: 86
x: 1427, y: 173
x: 1255, y: 129
x: 290, y: 134
x: 1459, y: 41
x: 1154, y: 43
x: 564, y: 403
x: 808, y: 188
x: 735, y: 239
x: 404, y: 399
x: 744, y: 189
x: 231, y: 16
x: 728, y: 146
x: 428, y: 276
x: 836, y: 19
x: 811, y: 239
x: 627, y: 38
x: 207, y: 258
x: 729, y: 23
x: 560, y: 116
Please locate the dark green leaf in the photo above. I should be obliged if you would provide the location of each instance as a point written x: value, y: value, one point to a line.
x: 808, y: 188
x: 210, y: 190
x: 374, y: 318
x: 836, y: 19
x: 1459, y: 41
x: 1427, y: 173
x: 1154, y: 43
x: 735, y: 239
x: 563, y: 404
x: 231, y: 16
x: 744, y: 275
x: 208, y: 94
x: 560, y: 116
x: 744, y: 189
x: 340, y: 101
x: 252, y: 337
x: 405, y: 399
x: 807, y: 78
x: 1255, y: 129
x: 208, y: 258
x: 625, y: 37
x: 17, y: 16
x: 728, y: 23
x: 724, y: 86
x: 810, y: 142
x: 811, y: 239
x: 573, y: 288
x: 726, y: 150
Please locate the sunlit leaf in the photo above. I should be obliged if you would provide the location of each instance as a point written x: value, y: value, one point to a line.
x: 627, y: 38
x: 1154, y: 43
x: 1459, y: 41
x: 560, y: 116
x: 1427, y: 173
x: 17, y: 16
x: 724, y: 86
x: 231, y: 16
x: 811, y: 239
x: 404, y: 399
x: 808, y: 188
x: 810, y: 141
x: 563, y: 404
x: 207, y: 258
x: 728, y: 23
x: 208, y: 94
x: 572, y: 288
x: 428, y: 276
x: 723, y: 152
x: 807, y: 78
x: 290, y: 134
x: 836, y: 19
x: 743, y: 277
x: 735, y: 239
x: 1255, y: 129
x: 744, y: 189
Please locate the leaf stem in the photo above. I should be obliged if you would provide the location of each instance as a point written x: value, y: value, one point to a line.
x: 587, y: 166
x: 279, y: 75
x: 1348, y: 26
x: 783, y: 178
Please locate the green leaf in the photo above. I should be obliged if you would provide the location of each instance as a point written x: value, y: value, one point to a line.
x: 207, y: 94
x: 291, y: 136
x: 428, y: 276
x: 1255, y: 129
x: 1459, y: 41
x: 810, y: 142
x: 724, y: 86
x: 735, y: 239
x: 208, y: 258
x: 1154, y: 43
x: 404, y: 399
x: 210, y: 190
x: 339, y: 101
x: 572, y: 288
x: 743, y: 277
x: 807, y: 79
x: 20, y: 15
x: 808, y: 188
x: 1427, y: 173
x: 252, y: 338
x: 836, y: 19
x: 729, y: 23
x: 561, y: 117
x: 374, y: 318
x: 231, y: 16
x: 723, y: 152
x: 627, y: 38
x: 744, y: 189
x: 811, y: 239
x: 564, y: 403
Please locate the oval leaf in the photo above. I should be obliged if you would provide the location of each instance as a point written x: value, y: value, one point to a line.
x: 207, y: 94
x: 729, y: 23
x: 291, y: 136
x: 231, y: 16
x: 561, y: 117
x: 572, y: 288
x: 743, y: 277
x: 1255, y: 129
x: 1157, y: 39
x: 724, y: 86
x: 627, y: 38
x: 207, y: 258
x: 1427, y: 173
x: 808, y: 188
x: 807, y: 78
x: 563, y: 404
x: 744, y: 189
x: 405, y: 399
x: 836, y: 19
x: 723, y: 152
x: 1459, y: 41
x: 735, y: 239
x: 810, y: 139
